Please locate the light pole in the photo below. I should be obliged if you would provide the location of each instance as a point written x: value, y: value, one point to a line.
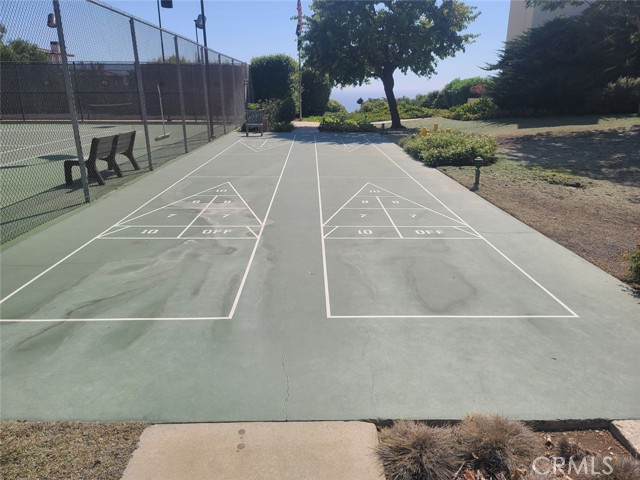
x: 206, y: 61
x: 199, y: 25
x: 165, y: 4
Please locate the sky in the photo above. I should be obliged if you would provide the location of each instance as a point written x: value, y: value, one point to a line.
x: 244, y: 29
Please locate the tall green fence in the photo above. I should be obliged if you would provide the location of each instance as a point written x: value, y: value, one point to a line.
x: 72, y: 70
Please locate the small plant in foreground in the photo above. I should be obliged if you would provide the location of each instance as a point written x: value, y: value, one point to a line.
x: 618, y: 468
x: 634, y: 264
x: 496, y: 445
x: 414, y: 451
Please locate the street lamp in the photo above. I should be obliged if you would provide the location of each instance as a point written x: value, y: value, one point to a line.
x: 200, y: 21
x: 164, y: 4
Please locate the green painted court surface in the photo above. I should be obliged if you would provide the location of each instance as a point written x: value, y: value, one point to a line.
x: 307, y: 276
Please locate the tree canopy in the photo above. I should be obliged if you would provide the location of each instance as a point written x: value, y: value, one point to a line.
x: 354, y: 42
x: 563, y: 65
x: 20, y: 50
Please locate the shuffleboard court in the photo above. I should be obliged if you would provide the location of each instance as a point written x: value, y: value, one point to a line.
x: 307, y: 276
x: 390, y: 254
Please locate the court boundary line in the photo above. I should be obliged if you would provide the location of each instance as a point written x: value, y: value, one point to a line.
x: 262, y: 227
x: 480, y: 236
x: 323, y: 238
x: 86, y: 244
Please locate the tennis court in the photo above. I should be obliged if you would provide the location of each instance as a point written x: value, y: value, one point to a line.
x: 306, y: 276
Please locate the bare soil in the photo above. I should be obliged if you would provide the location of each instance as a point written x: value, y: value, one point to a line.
x: 582, y: 189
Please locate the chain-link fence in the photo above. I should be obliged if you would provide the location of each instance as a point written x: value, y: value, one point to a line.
x: 75, y: 70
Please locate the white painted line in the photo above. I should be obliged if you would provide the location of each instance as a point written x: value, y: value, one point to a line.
x: 197, y: 216
x: 573, y: 314
x: 449, y: 316
x: 420, y: 239
x: 114, y: 319
x: 175, y: 238
x: 389, y: 217
x: 127, y: 219
x: 345, y: 203
x: 246, y: 204
x: 474, y: 233
x: 102, y: 235
x: 255, y: 247
x: 419, y: 205
x: 105, y: 231
x: 322, y: 223
x: 331, y: 231
x: 71, y: 147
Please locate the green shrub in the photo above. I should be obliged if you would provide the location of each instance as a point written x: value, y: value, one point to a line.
x: 316, y: 89
x: 272, y: 76
x: 478, y: 110
x: 334, y: 106
x: 411, y: 450
x: 621, y: 96
x: 450, y: 148
x: 333, y: 124
x: 634, y: 264
x: 281, y: 127
x: 279, y: 110
x: 457, y: 91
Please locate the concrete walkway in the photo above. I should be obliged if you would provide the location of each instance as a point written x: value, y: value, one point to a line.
x: 286, y: 451
x: 257, y: 451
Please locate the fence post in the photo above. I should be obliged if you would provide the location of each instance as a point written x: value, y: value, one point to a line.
x: 72, y: 109
x: 181, y: 96
x: 224, y: 115
x: 205, y: 84
x: 143, y: 104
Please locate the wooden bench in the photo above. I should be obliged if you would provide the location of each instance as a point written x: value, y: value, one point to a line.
x: 254, y: 121
x: 104, y: 148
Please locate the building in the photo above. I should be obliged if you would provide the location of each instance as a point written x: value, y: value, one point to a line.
x: 522, y: 18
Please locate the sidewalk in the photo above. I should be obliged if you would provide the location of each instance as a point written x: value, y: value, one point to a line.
x: 286, y: 451
x: 255, y: 451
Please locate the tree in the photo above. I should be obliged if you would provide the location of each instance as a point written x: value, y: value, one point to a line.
x: 19, y: 50
x: 355, y: 41
x: 563, y: 65
x: 630, y: 7
x: 316, y: 90
x: 272, y: 76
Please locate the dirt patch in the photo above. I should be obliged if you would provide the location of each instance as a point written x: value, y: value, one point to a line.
x: 580, y: 189
x: 66, y: 450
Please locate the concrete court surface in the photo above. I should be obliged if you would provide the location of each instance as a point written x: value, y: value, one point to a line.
x: 308, y: 276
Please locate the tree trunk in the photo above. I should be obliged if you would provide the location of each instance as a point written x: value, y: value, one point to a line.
x: 387, y: 81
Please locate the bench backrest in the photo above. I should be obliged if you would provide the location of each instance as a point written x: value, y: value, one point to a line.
x: 254, y: 117
x: 103, y: 147
x: 125, y: 141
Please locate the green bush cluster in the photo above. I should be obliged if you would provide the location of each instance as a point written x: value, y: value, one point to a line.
x: 450, y: 148
x: 621, y: 96
x: 333, y: 124
x: 279, y: 110
x: 634, y: 264
x: 457, y: 91
x: 483, y: 108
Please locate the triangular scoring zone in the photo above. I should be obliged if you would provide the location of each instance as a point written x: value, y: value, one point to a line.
x: 216, y: 212
x: 377, y: 213
x: 348, y: 146
x: 260, y: 146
